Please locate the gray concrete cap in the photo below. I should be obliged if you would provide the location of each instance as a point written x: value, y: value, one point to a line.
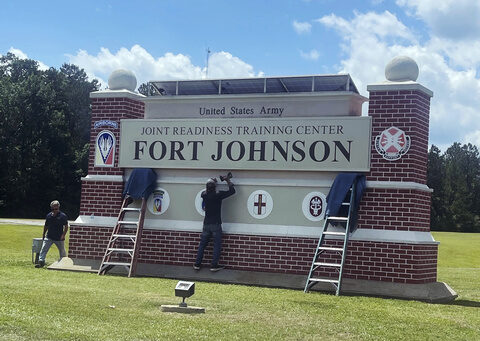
x: 122, y: 80
x: 401, y: 69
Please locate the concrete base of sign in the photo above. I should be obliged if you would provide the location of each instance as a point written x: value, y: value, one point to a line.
x: 182, y: 310
x: 78, y: 265
x: 64, y: 263
x: 435, y: 292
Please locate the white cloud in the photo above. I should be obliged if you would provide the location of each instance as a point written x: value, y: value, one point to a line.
x: 19, y: 53
x: 473, y: 138
x: 312, y: 55
x: 460, y: 53
x: 451, y: 19
x: 381, y: 25
x: 224, y: 65
x: 301, y: 27
x: 448, y: 68
x: 22, y: 55
x: 370, y: 41
x: 167, y: 67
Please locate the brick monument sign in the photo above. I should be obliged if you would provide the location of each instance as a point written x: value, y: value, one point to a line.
x: 284, y: 139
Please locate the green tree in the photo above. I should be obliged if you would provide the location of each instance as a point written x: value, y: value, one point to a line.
x: 436, y: 181
x: 148, y: 90
x: 44, y: 134
x: 143, y: 89
x: 461, y: 197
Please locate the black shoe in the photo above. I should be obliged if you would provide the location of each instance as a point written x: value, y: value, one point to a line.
x: 216, y: 268
x: 40, y: 264
x: 196, y: 267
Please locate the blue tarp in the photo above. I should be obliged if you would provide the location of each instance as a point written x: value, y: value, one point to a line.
x: 339, y: 190
x: 141, y: 183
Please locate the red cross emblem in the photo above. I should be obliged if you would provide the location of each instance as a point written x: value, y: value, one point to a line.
x: 260, y: 204
x: 392, y: 143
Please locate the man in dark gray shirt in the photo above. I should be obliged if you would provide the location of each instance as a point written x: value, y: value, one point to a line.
x: 212, y: 224
x: 56, y: 227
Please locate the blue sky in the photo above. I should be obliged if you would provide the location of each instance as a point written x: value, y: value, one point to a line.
x: 161, y: 40
x: 261, y: 33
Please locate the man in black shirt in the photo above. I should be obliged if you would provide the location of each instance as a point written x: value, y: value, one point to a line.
x: 56, y: 227
x: 212, y: 224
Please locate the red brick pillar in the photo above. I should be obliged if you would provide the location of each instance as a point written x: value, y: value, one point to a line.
x: 404, y: 201
x: 397, y: 200
x: 103, y: 186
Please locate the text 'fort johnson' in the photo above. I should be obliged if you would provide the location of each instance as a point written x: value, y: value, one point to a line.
x: 255, y: 143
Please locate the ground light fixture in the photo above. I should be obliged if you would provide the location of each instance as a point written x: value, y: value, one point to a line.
x: 183, y: 289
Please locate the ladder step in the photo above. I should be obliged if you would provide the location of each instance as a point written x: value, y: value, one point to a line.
x: 116, y: 263
x: 124, y: 222
x: 131, y: 209
x: 338, y: 218
x: 125, y: 235
x: 120, y: 250
x: 331, y: 233
x: 328, y: 264
x: 326, y: 280
x: 330, y: 248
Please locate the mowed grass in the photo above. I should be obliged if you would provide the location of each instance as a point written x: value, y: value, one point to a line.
x: 39, y: 304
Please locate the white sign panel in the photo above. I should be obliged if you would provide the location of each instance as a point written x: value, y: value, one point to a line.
x: 316, y: 144
x: 314, y: 206
x: 158, y: 202
x: 199, y: 204
x: 260, y: 204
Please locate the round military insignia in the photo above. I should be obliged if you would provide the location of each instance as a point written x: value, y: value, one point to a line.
x: 158, y: 202
x: 260, y: 204
x: 392, y: 143
x: 105, y: 149
x: 199, y: 204
x: 314, y: 205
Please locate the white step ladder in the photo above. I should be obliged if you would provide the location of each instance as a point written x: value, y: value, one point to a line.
x: 116, y: 254
x: 323, y: 249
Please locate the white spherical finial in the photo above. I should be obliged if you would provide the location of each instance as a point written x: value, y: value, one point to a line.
x: 401, y: 69
x: 122, y: 80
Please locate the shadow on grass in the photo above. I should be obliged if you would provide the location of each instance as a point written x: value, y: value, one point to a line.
x: 466, y: 303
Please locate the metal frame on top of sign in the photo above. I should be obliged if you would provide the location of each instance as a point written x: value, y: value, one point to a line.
x: 310, y: 144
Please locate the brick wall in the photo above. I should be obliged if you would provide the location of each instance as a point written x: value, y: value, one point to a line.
x: 103, y: 198
x: 395, y: 209
x: 392, y: 262
x: 407, y: 110
x: 113, y: 109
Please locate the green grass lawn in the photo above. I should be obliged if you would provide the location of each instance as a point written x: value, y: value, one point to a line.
x: 39, y: 304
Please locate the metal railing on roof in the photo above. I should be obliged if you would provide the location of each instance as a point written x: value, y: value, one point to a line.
x: 265, y: 85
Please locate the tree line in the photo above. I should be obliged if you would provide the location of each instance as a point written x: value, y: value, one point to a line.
x: 454, y: 177
x: 45, y: 136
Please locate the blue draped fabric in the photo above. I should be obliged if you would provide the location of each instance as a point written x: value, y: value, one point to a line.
x: 338, y: 191
x: 141, y: 183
